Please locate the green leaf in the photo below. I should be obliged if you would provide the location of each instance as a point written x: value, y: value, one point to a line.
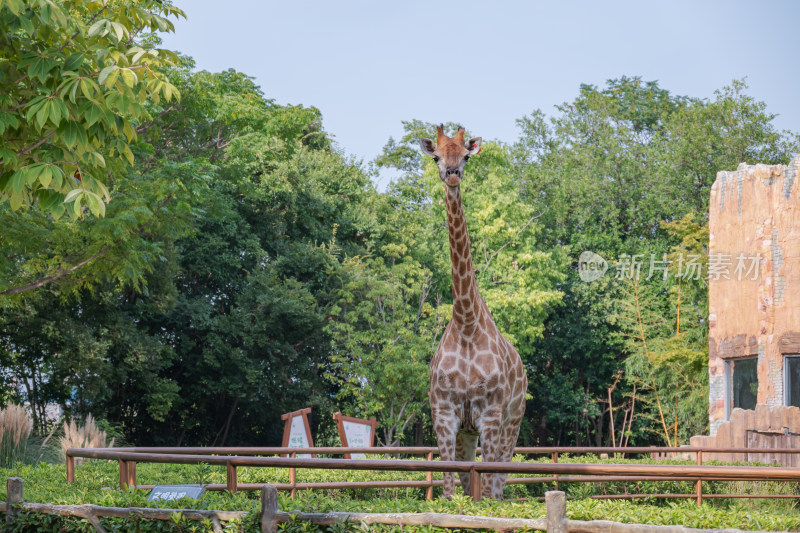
x: 93, y: 203
x: 15, y: 201
x: 119, y: 30
x: 105, y: 73
x: 89, y: 88
x: 73, y: 194
x: 73, y: 62
x: 137, y: 56
x: 18, y: 179
x: 112, y: 79
x: 33, y: 107
x: 90, y: 111
x: 97, y: 27
x: 69, y: 133
x: 45, y: 176
x: 129, y: 77
x: 9, y: 157
x: 15, y: 6
x: 44, y: 113
x: 58, y: 210
x: 40, y: 68
x: 47, y: 199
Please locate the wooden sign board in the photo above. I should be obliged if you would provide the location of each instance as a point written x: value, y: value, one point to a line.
x: 174, y: 492
x: 296, y: 431
x: 355, y: 433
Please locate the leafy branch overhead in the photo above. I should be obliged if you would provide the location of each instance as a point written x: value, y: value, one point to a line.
x: 76, y: 78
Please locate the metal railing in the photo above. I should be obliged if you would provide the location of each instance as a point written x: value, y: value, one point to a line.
x: 553, y: 472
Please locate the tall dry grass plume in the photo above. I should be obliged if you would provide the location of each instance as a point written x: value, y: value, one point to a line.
x: 87, y: 435
x: 15, y: 429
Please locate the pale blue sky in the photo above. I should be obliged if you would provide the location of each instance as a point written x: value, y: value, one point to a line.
x: 367, y: 65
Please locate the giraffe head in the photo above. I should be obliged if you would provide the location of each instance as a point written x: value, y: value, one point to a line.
x: 450, y: 153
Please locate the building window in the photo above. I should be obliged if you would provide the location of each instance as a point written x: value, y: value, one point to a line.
x: 791, y: 384
x: 741, y: 384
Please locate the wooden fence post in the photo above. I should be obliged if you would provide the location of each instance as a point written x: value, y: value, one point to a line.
x: 556, y: 503
x: 269, y: 506
x: 70, y: 469
x: 231, y: 477
x: 132, y: 474
x: 475, y: 484
x: 123, y: 475
x: 292, y: 477
x: 554, y: 457
x: 429, y: 479
x: 14, y: 497
x: 699, y: 487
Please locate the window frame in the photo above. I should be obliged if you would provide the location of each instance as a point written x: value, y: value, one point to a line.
x: 786, y: 388
x: 728, y: 381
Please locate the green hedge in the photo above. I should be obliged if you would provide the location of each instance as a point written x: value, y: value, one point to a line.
x: 97, y: 483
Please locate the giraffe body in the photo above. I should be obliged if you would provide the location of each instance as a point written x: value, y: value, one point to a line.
x: 478, y: 382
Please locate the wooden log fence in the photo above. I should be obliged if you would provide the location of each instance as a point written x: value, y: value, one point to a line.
x: 271, y: 516
x: 564, y: 472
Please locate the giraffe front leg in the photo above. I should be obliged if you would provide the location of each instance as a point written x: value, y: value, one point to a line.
x: 445, y: 425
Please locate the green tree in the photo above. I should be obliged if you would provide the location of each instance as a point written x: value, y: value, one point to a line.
x: 75, y: 80
x: 383, y: 329
x: 615, y: 172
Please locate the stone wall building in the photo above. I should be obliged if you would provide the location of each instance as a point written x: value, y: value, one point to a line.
x: 754, y: 299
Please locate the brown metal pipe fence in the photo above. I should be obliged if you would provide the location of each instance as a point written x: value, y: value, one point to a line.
x: 554, y: 472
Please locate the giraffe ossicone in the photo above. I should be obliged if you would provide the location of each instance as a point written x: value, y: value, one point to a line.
x: 478, y: 382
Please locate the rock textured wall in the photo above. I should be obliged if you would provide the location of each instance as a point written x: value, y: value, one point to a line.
x: 763, y: 427
x: 754, y: 277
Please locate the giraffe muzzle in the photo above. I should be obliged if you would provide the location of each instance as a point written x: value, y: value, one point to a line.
x: 452, y: 176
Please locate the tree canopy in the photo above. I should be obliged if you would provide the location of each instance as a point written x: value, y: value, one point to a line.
x: 222, y: 262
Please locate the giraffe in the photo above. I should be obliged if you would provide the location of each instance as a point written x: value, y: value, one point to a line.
x: 478, y: 383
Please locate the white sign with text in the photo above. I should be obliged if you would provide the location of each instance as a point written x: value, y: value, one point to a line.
x: 357, y: 437
x: 298, y: 437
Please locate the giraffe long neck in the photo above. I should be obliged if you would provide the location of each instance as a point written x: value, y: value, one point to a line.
x: 466, y: 300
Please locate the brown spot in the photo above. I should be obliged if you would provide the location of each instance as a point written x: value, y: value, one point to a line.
x: 480, y: 339
x: 464, y: 284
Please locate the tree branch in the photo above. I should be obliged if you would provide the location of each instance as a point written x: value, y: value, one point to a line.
x: 67, y: 271
x: 37, y: 145
x: 144, y: 127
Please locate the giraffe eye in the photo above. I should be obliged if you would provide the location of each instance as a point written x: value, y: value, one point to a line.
x: 435, y: 159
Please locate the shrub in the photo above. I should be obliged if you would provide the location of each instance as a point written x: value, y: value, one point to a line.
x: 15, y: 429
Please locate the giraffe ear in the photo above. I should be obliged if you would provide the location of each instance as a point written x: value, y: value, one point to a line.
x: 427, y: 146
x: 474, y: 145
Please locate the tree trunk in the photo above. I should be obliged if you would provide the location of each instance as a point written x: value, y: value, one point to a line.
x: 228, y: 421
